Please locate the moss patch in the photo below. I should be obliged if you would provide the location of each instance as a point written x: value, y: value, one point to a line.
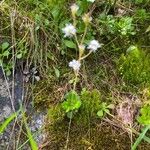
x: 95, y: 136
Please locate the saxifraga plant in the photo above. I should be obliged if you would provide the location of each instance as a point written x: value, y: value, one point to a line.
x: 72, y: 100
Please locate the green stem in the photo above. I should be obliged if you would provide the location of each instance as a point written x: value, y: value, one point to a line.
x: 76, y: 39
x: 85, y: 32
x: 75, y: 81
x: 85, y: 55
x: 69, y: 127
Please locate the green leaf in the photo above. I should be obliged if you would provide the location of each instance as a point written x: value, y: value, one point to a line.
x: 141, y: 136
x: 8, y: 72
x: 19, y: 56
x: 55, y: 12
x: 47, y: 22
x: 50, y: 56
x: 100, y: 113
x: 33, y: 143
x: 103, y: 105
x: 107, y: 111
x: 57, y: 72
x: 148, y: 29
x: 6, y: 53
x: 5, y: 45
x: 7, y: 121
x: 72, y: 101
x: 70, y: 115
x: 70, y: 44
x: 111, y: 106
x: 139, y: 1
x: 144, y: 118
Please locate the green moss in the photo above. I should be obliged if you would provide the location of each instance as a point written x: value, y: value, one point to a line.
x: 86, y: 129
x: 44, y: 93
x: 96, y: 136
x: 91, y: 101
x: 134, y: 67
x: 90, y: 104
x: 55, y: 113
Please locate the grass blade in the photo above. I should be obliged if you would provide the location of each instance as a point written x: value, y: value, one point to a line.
x: 4, y: 125
x: 33, y: 143
x: 141, y: 136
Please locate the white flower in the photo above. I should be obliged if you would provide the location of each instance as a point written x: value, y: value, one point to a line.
x: 91, y: 1
x: 75, y: 64
x: 69, y: 30
x: 94, y: 45
x: 74, y: 8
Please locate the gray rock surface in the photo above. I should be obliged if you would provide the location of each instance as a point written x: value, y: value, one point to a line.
x: 36, y: 120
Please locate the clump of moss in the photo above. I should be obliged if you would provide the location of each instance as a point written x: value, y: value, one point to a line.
x: 86, y: 130
x: 48, y: 93
x: 55, y: 114
x: 91, y: 101
x: 43, y: 93
x: 58, y: 122
x: 134, y: 67
x: 96, y: 136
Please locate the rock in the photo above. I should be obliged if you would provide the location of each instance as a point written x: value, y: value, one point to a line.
x: 35, y: 121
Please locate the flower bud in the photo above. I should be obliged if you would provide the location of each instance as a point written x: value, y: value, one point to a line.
x: 86, y: 18
x: 74, y: 9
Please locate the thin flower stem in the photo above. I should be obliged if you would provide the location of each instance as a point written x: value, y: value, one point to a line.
x: 74, y: 24
x: 85, y: 32
x: 74, y: 21
x: 76, y: 39
x: 75, y: 81
x: 69, y: 127
x: 86, y: 55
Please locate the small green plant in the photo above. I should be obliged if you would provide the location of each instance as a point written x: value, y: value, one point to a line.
x: 125, y: 26
x: 104, y: 109
x: 141, y: 15
x: 72, y: 100
x: 144, y: 118
x: 120, y: 26
x: 72, y: 103
x: 4, y: 55
x: 5, y: 50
